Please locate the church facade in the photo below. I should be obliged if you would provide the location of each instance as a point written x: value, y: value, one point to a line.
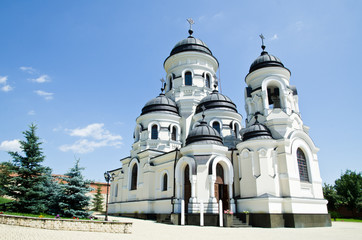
x: 190, y: 144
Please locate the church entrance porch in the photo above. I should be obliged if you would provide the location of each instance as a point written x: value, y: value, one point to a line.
x: 221, y: 189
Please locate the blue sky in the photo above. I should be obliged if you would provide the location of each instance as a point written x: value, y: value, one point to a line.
x: 82, y: 70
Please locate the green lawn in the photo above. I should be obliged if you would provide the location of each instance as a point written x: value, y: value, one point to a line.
x: 347, y: 220
x: 29, y: 214
x: 44, y: 215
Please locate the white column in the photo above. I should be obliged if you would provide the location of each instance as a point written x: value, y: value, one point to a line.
x: 265, y: 102
x: 201, y: 214
x: 212, y: 188
x: 182, y: 212
x: 221, y: 214
x: 230, y: 187
x: 178, y: 190
x: 193, y: 186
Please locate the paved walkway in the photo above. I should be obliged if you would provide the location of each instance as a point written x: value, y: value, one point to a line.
x: 143, y: 229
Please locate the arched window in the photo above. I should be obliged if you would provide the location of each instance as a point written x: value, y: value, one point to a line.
x: 302, y: 166
x: 154, y: 132
x: 216, y: 125
x: 207, y: 80
x: 236, y: 130
x: 273, y: 97
x: 170, y: 82
x: 134, y: 177
x: 188, y: 79
x: 173, y: 133
x: 164, y: 183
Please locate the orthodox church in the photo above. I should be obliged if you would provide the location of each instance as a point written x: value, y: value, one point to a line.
x: 191, y: 147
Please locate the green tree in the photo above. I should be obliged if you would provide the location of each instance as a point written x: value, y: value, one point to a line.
x: 53, y: 192
x: 349, y: 190
x: 330, y: 194
x: 98, y: 199
x: 73, y: 201
x: 4, y: 177
x: 28, y: 175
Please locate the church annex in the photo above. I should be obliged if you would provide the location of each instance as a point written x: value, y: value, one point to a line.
x: 190, y: 144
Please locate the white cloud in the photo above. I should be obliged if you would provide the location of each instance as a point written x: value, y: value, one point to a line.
x: 29, y: 70
x: 46, y: 95
x: 42, y: 79
x: 92, y: 136
x: 31, y: 112
x: 6, y: 88
x: 3, y: 79
x: 275, y: 37
x: 12, y: 145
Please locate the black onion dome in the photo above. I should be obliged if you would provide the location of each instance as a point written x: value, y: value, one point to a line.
x: 216, y: 100
x: 191, y: 44
x: 204, y: 134
x: 160, y: 104
x: 257, y: 131
x: 266, y: 60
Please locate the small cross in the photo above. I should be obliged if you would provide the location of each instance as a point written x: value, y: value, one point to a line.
x: 163, y: 86
x: 191, y: 22
x: 203, y: 112
x: 262, y: 38
x: 262, y: 41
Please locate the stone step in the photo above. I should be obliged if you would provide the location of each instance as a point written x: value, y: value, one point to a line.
x: 237, y: 223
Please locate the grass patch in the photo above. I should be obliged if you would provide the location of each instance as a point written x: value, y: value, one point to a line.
x: 43, y: 215
x: 347, y: 220
x: 4, y: 200
x: 29, y: 214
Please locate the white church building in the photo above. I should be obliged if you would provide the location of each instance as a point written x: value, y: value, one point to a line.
x: 190, y: 144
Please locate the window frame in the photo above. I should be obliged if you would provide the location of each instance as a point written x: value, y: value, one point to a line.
x: 207, y: 81
x: 154, y: 132
x: 188, y: 80
x: 134, y: 177
x: 302, y: 165
x: 219, y: 126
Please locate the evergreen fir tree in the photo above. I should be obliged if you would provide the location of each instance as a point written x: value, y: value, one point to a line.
x: 28, y: 175
x: 4, y: 177
x: 98, y: 199
x: 53, y: 192
x: 73, y: 201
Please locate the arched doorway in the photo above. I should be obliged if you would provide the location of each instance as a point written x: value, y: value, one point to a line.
x: 221, y: 189
x: 187, y: 188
